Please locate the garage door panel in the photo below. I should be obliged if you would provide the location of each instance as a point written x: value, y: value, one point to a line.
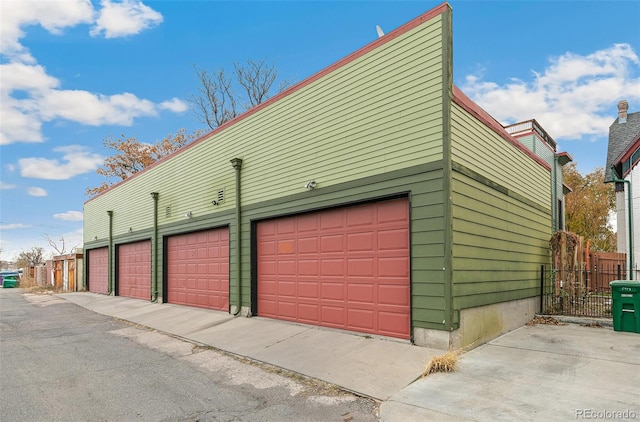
x: 333, y: 315
x: 349, y: 273
x: 397, y: 239
x: 308, y: 313
x: 364, y: 292
x: 134, y: 270
x: 362, y: 318
x: 332, y: 219
x: 333, y: 267
x: 360, y: 216
x: 389, y: 321
x: 359, y: 242
x: 333, y: 291
x: 198, y: 269
x: 286, y: 227
x: 308, y: 267
x: 393, y: 295
x: 332, y: 243
x: 308, y: 245
x: 99, y: 270
x: 361, y: 267
x: 393, y: 267
x: 392, y: 212
x: 286, y: 309
x: 308, y: 289
x: 307, y: 223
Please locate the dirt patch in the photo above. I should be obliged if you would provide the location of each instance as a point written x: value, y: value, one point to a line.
x: 545, y: 320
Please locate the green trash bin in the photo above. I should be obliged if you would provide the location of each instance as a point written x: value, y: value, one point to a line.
x: 626, y: 305
x: 8, y: 282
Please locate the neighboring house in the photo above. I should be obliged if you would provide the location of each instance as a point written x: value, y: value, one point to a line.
x: 373, y: 197
x: 622, y: 159
x: 530, y: 134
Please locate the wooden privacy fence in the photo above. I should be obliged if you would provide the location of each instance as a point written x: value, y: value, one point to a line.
x: 67, y: 272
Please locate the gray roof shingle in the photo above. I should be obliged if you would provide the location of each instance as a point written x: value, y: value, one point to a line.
x: 621, y: 135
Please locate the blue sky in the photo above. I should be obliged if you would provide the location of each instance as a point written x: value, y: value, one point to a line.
x: 77, y: 71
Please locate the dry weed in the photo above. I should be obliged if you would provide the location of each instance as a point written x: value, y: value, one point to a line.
x: 30, y: 286
x: 545, y: 320
x: 443, y: 363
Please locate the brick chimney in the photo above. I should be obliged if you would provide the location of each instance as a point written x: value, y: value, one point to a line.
x: 623, y: 106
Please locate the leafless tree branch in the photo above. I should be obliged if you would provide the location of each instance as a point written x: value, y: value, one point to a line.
x: 217, y: 101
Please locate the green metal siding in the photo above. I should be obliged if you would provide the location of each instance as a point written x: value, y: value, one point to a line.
x: 500, y: 240
x: 480, y: 149
x: 423, y: 184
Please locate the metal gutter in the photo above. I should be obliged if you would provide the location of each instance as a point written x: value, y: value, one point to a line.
x: 111, y: 289
x: 237, y: 165
x: 154, y: 250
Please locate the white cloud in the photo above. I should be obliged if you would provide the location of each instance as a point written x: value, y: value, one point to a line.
x: 570, y: 98
x: 95, y: 110
x: 13, y: 226
x: 76, y: 160
x: 4, y: 185
x: 126, y: 18
x: 69, y: 216
x: 30, y: 96
x: 34, y: 191
x: 53, y: 16
x: 176, y: 105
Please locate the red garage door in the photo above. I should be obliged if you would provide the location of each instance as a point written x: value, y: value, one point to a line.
x: 345, y: 268
x: 134, y: 270
x: 198, y: 269
x: 99, y: 270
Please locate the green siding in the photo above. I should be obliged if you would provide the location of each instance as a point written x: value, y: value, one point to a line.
x: 480, y: 149
x: 423, y: 184
x: 539, y: 147
x: 378, y: 113
x: 182, y: 192
x: 500, y: 240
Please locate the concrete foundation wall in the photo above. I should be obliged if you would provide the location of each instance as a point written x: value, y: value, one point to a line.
x: 480, y: 325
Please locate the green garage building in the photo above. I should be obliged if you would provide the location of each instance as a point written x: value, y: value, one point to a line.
x: 372, y: 197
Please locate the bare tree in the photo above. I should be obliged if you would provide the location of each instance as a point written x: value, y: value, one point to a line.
x: 59, y: 248
x: 256, y: 77
x: 31, y: 257
x: 218, y: 102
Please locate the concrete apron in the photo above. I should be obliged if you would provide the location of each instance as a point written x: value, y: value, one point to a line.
x: 534, y: 373
x: 369, y: 366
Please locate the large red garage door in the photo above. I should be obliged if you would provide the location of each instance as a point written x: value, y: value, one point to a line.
x: 198, y: 269
x: 99, y: 270
x: 345, y: 268
x: 134, y: 270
